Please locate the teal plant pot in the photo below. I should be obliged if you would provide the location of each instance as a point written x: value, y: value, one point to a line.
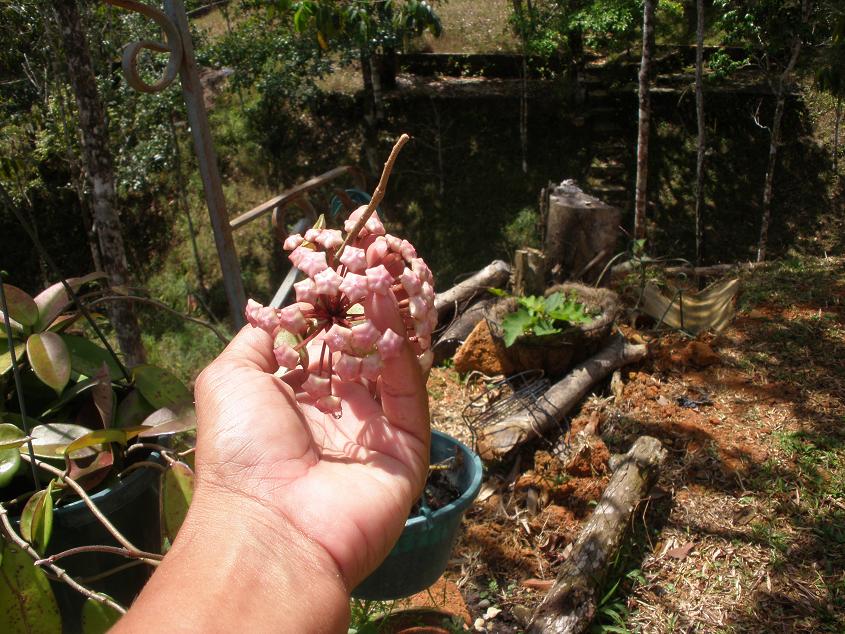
x: 422, y: 552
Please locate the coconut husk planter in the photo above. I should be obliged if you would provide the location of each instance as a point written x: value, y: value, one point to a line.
x: 556, y: 353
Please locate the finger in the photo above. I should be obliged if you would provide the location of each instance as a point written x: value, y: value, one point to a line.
x: 251, y: 347
x: 403, y: 395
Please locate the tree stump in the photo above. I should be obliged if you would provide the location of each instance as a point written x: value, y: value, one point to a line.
x: 529, y: 272
x: 581, y: 234
x: 571, y: 604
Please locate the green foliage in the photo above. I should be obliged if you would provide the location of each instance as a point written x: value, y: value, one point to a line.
x: 566, y: 26
x: 542, y: 315
x: 522, y: 231
x: 27, y: 602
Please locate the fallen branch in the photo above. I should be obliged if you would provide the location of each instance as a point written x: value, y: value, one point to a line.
x: 571, y: 604
x: 500, y: 438
x: 495, y: 274
x: 461, y: 326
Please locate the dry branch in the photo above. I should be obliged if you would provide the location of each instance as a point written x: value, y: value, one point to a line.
x: 571, y: 604
x: 461, y: 326
x: 495, y: 274
x: 500, y: 438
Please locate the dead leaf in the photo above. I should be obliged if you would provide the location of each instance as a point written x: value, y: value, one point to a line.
x: 680, y: 552
x: 543, y: 585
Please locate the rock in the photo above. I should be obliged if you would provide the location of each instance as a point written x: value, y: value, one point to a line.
x: 483, y: 353
x: 484, y: 604
x: 696, y: 353
x: 522, y: 615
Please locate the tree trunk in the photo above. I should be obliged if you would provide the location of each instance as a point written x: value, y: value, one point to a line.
x: 768, y: 187
x: 836, y: 123
x: 523, y: 93
x: 370, y: 116
x: 100, y: 170
x: 702, y: 138
x: 644, y: 120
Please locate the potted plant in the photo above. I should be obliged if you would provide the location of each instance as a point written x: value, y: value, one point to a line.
x: 80, y: 464
x: 565, y: 326
x: 420, y: 556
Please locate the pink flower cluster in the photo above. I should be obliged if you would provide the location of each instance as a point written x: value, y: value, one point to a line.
x: 326, y: 332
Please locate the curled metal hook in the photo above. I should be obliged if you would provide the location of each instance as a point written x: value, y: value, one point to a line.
x: 173, y: 46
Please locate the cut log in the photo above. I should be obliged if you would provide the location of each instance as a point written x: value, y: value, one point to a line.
x: 500, y: 438
x: 581, y: 234
x: 529, y: 272
x: 571, y: 604
x: 495, y: 274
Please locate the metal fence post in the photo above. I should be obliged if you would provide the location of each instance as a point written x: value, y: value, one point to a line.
x: 174, y: 23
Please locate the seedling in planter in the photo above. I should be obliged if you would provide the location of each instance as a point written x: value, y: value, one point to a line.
x: 541, y: 316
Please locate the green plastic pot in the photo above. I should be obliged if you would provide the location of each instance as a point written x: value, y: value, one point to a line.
x: 422, y: 552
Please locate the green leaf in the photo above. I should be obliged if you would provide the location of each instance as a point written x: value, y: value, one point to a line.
x: 6, y: 356
x: 86, y: 357
x: 104, y: 397
x: 37, y: 518
x: 159, y: 386
x: 69, y: 394
x: 53, y: 300
x: 498, y: 292
x: 11, y: 437
x: 99, y: 437
x: 49, y: 358
x: 167, y: 421
x: 22, y: 308
x: 27, y: 603
x: 177, y: 490
x: 516, y: 324
x: 98, y: 618
x: 133, y: 409
x: 50, y: 440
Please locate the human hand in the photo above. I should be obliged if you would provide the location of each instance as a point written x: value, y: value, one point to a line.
x: 346, y: 484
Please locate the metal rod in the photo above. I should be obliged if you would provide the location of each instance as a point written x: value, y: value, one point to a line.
x: 192, y: 92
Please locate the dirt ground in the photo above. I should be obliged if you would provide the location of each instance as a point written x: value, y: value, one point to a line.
x: 745, y: 530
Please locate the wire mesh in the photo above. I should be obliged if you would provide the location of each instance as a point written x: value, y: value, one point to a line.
x: 502, y: 398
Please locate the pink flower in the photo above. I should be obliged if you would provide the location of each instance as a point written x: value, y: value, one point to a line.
x: 328, y: 321
x: 354, y: 259
x: 312, y: 262
x: 355, y: 287
x: 327, y: 282
x: 292, y: 241
x: 306, y: 291
x: 262, y: 317
x: 292, y: 319
x: 390, y: 344
x: 379, y: 279
x: 286, y: 356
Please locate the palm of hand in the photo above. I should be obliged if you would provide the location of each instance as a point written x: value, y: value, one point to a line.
x: 346, y: 484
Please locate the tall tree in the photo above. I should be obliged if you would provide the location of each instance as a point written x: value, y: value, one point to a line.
x: 641, y: 199
x: 100, y: 172
x: 780, y: 87
x: 702, y: 134
x: 773, y: 32
x: 830, y: 73
x: 373, y: 30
